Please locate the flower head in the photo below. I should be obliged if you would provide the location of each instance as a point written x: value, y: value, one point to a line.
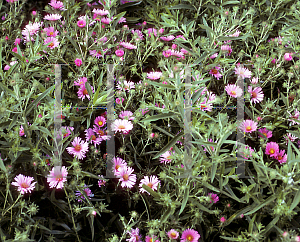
x: 122, y: 125
x: 78, y: 62
x: 87, y: 191
x: 151, y: 182
x: 100, y: 121
x: 281, y: 157
x: 173, y: 234
x: 215, y: 72
x: 51, y: 32
x: 54, y: 43
x: 126, y: 177
x: 90, y: 135
x: 126, y: 115
x: 233, y: 90
x: 272, y: 149
x: 248, y: 126
x: 190, y: 235
x: 127, y: 45
x: 117, y: 163
x: 134, y: 235
x: 79, y: 148
x: 166, y: 157
x: 265, y: 132
x: 81, y: 81
x: 214, y: 197
x: 154, y: 75
x: 242, y: 72
x: 288, y: 56
x: 101, y: 182
x: 24, y: 183
x: 82, y: 92
x: 257, y: 94
x: 57, y: 5
x: 81, y: 23
x: 168, y: 38
x: 57, y: 177
x: 53, y: 17
x: 100, y: 12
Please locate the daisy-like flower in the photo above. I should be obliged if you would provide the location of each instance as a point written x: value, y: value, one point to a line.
x: 281, y: 157
x: 289, y: 137
x: 7, y: 67
x: 51, y: 32
x: 138, y: 33
x: 242, y: 72
x: 214, y: 197
x: 254, y: 80
x: 53, y: 17
x: 288, y: 56
x: 151, y: 238
x: 79, y: 148
x: 211, y: 147
x: 101, y: 182
x: 122, y: 20
x: 248, y: 126
x: 87, y: 191
x: 272, y: 149
x: 167, y: 38
x: 128, y: 46
x: 90, y: 135
x: 57, y: 177
x: 81, y: 81
x: 21, y: 131
x: 265, y: 132
x: 100, y: 12
x: 117, y: 164
x: 82, y: 92
x: 167, y: 53
x: 295, y: 116
x: 151, y: 182
x: 100, y: 121
x: 101, y: 133
x: 57, y: 5
x: 236, y: 34
x: 119, y: 52
x: 215, y: 72
x: 65, y: 131
x: 121, y: 125
x: 126, y: 86
x: 173, y: 234
x: 31, y: 29
x: 78, y: 62
x: 98, y: 53
x: 105, y: 20
x: 154, y: 75
x: 257, y: 94
x: 214, y: 55
x: 24, y: 183
x: 233, y: 90
x: 54, y: 43
x: 81, y: 23
x: 166, y: 157
x: 152, y: 31
x: 226, y: 49
x: 126, y: 115
x: 246, y: 152
x: 190, y: 235
x: 134, y: 235
x: 126, y: 177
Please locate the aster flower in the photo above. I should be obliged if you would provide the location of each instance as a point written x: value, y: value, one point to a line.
x: 81, y: 23
x: 127, y: 45
x: 30, y: 30
x: 65, y: 131
x: 82, y: 92
x: 122, y: 20
x: 151, y: 182
x: 117, y: 163
x: 88, y: 192
x: 289, y: 137
x: 100, y: 12
x: 90, y: 135
x: 190, y: 235
x: 53, y: 17
x: 126, y: 177
x: 100, y: 121
x: 57, y: 5
x: 21, y: 131
x: 51, y: 32
x: 126, y: 115
x: 101, y: 182
x: 272, y: 149
x: 257, y: 94
x: 126, y: 85
x: 295, y: 116
x: 265, y: 132
x: 214, y: 197
x: 134, y: 235
x: 101, y: 133
x: 246, y: 152
x: 167, y: 38
x: 54, y: 43
x: 151, y: 238
x: 214, y: 56
x: 78, y: 62
x: 106, y: 20
x: 233, y: 90
x: 281, y: 157
x: 288, y: 56
x: 57, y: 177
x: 215, y: 72
x: 211, y: 147
x: 121, y: 125
x: 81, y: 81
x: 138, y: 33
x: 79, y: 148
x: 227, y: 49
x: 173, y: 234
x: 119, y: 52
x: 154, y: 75
x: 254, y: 80
x: 98, y: 53
x: 166, y: 157
x: 152, y: 31
x: 248, y: 126
x: 24, y: 183
x: 242, y: 72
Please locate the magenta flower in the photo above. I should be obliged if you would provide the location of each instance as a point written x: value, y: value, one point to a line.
x: 100, y: 121
x: 215, y: 72
x: 81, y: 81
x: 54, y: 43
x: 227, y: 49
x: 168, y: 38
x: 281, y: 157
x: 190, y: 235
x: 151, y: 182
x: 53, y: 17
x: 248, y: 126
x: 100, y: 12
x: 126, y: 115
x: 81, y: 23
x: 257, y: 94
x: 214, y: 197
x: 272, y: 149
x: 288, y: 56
x: 233, y: 90
x: 151, y: 238
x: 105, y: 20
x: 126, y: 177
x: 51, y: 32
x: 24, y: 183
x: 56, y: 5
x: 265, y: 132
x: 122, y: 126
x: 134, y: 235
x: 119, y: 52
x: 173, y: 234
x: 222, y: 219
x: 78, y: 62
x: 57, y: 177
x: 65, y: 131
x: 21, y: 131
x: 118, y: 100
x: 82, y: 92
x: 88, y: 192
x: 79, y: 148
x: 117, y: 163
x: 90, y: 135
x: 152, y: 30
x: 242, y: 72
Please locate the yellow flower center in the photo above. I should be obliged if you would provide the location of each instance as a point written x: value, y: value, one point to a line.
x: 233, y: 92
x: 189, y: 238
x: 51, y: 33
x: 272, y: 151
x: 125, y: 177
x: 24, y: 185
x: 214, y: 71
x: 100, y: 123
x: 121, y: 126
x: 78, y: 147
x: 248, y: 128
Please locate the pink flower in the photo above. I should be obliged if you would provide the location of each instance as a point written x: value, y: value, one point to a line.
x: 273, y: 61
x: 81, y: 23
x: 117, y: 163
x: 101, y: 182
x: 122, y: 20
x: 288, y: 56
x: 17, y: 41
x: 161, y: 30
x: 281, y: 157
x: 119, y: 52
x: 215, y: 72
x: 222, y: 220
x: 152, y: 30
x: 53, y: 17
x: 151, y: 238
x: 65, y: 131
x: 173, y: 234
x: 227, y: 49
x: 248, y: 126
x: 214, y: 56
x: 134, y: 235
x: 126, y: 177
x: 50, y: 32
x: 190, y: 235
x: 57, y: 177
x: 168, y: 38
x: 233, y: 90
x: 122, y: 126
x: 289, y: 137
x: 257, y: 94
x: 24, y: 183
x: 265, y: 132
x: 126, y: 115
x: 30, y: 30
x: 127, y: 45
x: 54, y: 43
x: 90, y: 135
x: 78, y: 62
x: 81, y: 81
x: 272, y: 149
x: 126, y: 85
x: 254, y: 80
x: 100, y: 12
x: 105, y: 20
x: 56, y: 5
x: 151, y: 182
x: 246, y: 152
x: 33, y: 13
x: 209, y: 140
x: 242, y: 72
x: 98, y: 53
x: 100, y: 121
x: 79, y: 148
x: 21, y: 132
x: 88, y: 192
x: 154, y: 75
x: 166, y: 157
x: 214, y: 197
x: 82, y: 92
x: 295, y: 116
x: 118, y: 100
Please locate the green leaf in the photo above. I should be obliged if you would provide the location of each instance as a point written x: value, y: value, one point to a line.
x: 271, y: 225
x: 185, y: 199
x: 88, y: 174
x: 42, y: 129
x: 130, y: 4
x: 158, y: 116
x: 203, y: 113
x: 213, y: 172
x: 89, y: 89
x: 182, y: 6
x: 153, y: 193
x: 168, y: 86
x: 167, y: 214
x: 74, y: 44
x: 2, y: 166
x: 267, y: 201
x: 118, y: 17
x: 7, y: 90
x: 200, y: 206
x: 295, y: 201
x: 230, y: 2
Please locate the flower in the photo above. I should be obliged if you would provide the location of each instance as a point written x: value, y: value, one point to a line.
x: 21, y: 131
x: 295, y: 116
x: 151, y: 238
x: 118, y: 100
x: 98, y: 53
x: 288, y: 56
x: 233, y: 90
x: 214, y: 197
x: 222, y: 220
x: 100, y: 121
x: 105, y: 20
x: 242, y: 72
x: 126, y: 115
x: 246, y: 152
x: 57, y: 177
x: 54, y: 43
x: 127, y: 45
x: 151, y: 182
x: 90, y: 135
x: 31, y: 29
x: 79, y: 148
x: 211, y: 147
x: 78, y: 62
x: 166, y: 157
x: 154, y: 75
x: 265, y: 132
x: 100, y: 12
x: 126, y: 177
x: 256, y: 94
x: 118, y: 162
x: 281, y: 157
x: 53, y: 17
x: 227, y: 49
x: 190, y: 235
x: 81, y: 81
x: 65, y: 131
x: 119, y: 52
x: 134, y: 235
x: 50, y: 32
x: 24, y: 183
x: 152, y: 30
x: 121, y: 125
x: 248, y: 126
x: 101, y: 182
x: 168, y: 38
x: 173, y: 234
x: 122, y: 20
x: 82, y: 92
x: 254, y: 80
x: 271, y: 149
x: 81, y: 23
x: 126, y: 86
x: 88, y: 192
x: 215, y: 72
x: 56, y: 4
x: 289, y: 137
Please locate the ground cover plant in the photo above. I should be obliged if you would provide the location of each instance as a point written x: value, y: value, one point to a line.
x: 192, y: 107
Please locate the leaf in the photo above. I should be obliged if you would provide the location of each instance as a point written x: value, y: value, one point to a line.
x: 267, y: 201
x: 167, y: 214
x: 185, y: 199
x: 162, y: 130
x: 295, y: 201
x: 118, y: 17
x: 89, y: 89
x: 182, y: 6
x: 168, y: 86
x: 130, y: 4
x: 88, y: 174
x: 74, y: 44
x: 132, y: 19
x: 153, y: 193
x: 158, y: 116
x: 230, y: 2
x: 213, y: 172
x: 2, y: 166
x: 203, y: 113
x: 270, y: 225
x: 201, y: 207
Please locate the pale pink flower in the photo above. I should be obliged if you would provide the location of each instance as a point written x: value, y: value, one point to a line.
x: 30, y: 30
x: 122, y: 20
x: 57, y: 177
x: 295, y: 116
x: 127, y: 45
x: 125, y: 86
x: 190, y: 235
x: 134, y: 235
x: 53, y: 17
x: 173, y: 234
x: 90, y: 135
x: 117, y: 163
x: 289, y: 137
x: 24, y: 183
x: 281, y: 157
x: 265, y: 132
x: 214, y: 56
x: 138, y: 33
x: 227, y: 49
x: 105, y: 20
x: 57, y: 5
x: 51, y: 32
x: 161, y: 30
x: 257, y: 94
x: 254, y: 80
x: 168, y: 38
x: 248, y: 126
x: 122, y: 126
x: 82, y: 92
x: 126, y: 115
x: 98, y: 53
x: 151, y: 182
x: 54, y: 43
x: 166, y: 157
x: 79, y: 148
x: 154, y: 75
x: 242, y: 72
x: 215, y: 72
x: 65, y: 131
x: 233, y: 90
x: 126, y: 177
x: 100, y: 12
x: 81, y: 81
x: 236, y: 34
